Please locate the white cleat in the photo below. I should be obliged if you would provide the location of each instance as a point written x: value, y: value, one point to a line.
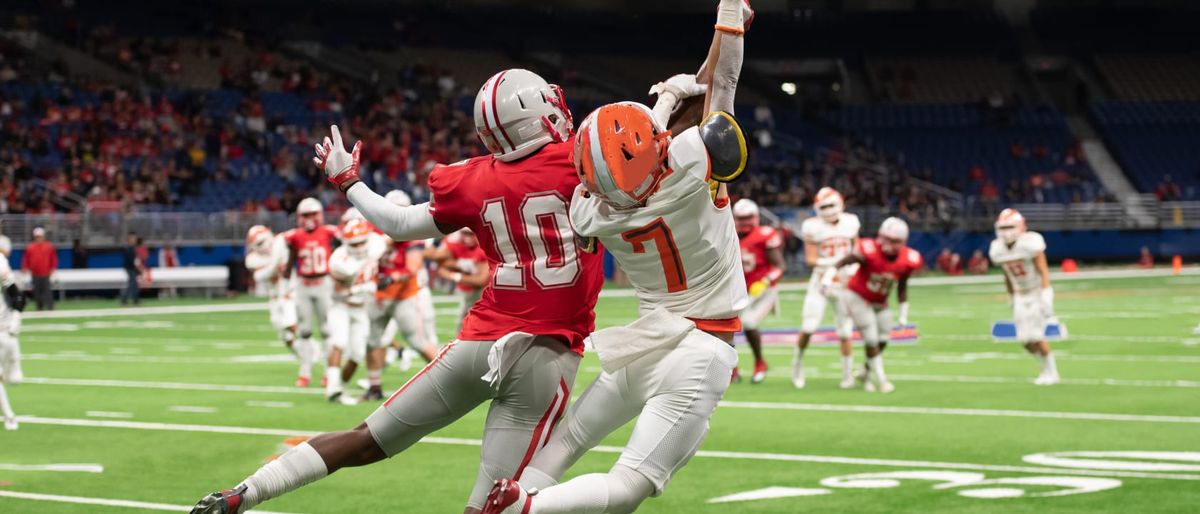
x: 405, y: 362
x: 797, y: 369
x: 847, y: 383
x: 10, y: 423
x: 869, y: 386
x: 363, y: 384
x: 798, y: 382
x: 343, y: 399
x: 1045, y: 380
x: 886, y: 387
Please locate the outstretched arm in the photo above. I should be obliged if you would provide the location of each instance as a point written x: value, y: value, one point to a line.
x: 723, y: 65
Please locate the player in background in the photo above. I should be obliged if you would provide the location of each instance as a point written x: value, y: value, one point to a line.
x: 529, y: 324
x: 763, y: 265
x: 266, y: 259
x: 309, y: 247
x: 353, y: 267
x: 828, y: 238
x: 882, y: 261
x: 646, y: 196
x: 461, y: 261
x: 423, y: 310
x: 10, y: 328
x: 1022, y: 256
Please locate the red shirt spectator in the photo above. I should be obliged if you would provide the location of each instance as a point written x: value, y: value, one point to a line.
x: 1147, y: 259
x: 40, y: 259
x: 978, y: 264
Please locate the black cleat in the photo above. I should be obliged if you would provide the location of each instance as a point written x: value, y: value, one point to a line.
x: 228, y: 501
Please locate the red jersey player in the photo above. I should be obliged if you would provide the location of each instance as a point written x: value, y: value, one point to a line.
x: 528, y: 327
x: 309, y: 246
x: 763, y: 265
x: 883, y: 261
x: 462, y: 261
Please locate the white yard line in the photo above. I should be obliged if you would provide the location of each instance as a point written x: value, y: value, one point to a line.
x: 1091, y: 416
x: 57, y: 468
x: 973, y: 379
x: 192, y: 409
x: 139, y: 359
x: 108, y: 414
x: 269, y: 405
x: 107, y: 502
x: 941, y: 411
x: 714, y: 454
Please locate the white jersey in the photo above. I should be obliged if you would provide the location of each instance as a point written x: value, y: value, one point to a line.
x: 353, y: 275
x: 266, y: 267
x: 834, y: 240
x: 7, y: 278
x: 1017, y: 260
x: 680, y: 251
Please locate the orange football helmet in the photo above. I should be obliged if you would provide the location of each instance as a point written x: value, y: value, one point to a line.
x: 1010, y: 224
x: 621, y: 154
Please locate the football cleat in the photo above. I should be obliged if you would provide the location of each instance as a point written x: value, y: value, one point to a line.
x: 228, y: 501
x: 363, y: 384
x: 797, y: 369
x: 1046, y: 379
x: 343, y: 399
x: 10, y: 423
x: 405, y: 362
x: 847, y: 383
x: 760, y: 372
x: 869, y: 386
x: 373, y: 394
x: 508, y: 497
x: 886, y: 387
x: 303, y: 381
x: 735, y: 377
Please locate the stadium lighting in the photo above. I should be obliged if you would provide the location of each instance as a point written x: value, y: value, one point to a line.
x: 788, y: 87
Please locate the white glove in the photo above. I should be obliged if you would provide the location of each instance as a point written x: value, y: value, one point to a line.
x: 683, y: 85
x: 1048, y: 300
x: 825, y: 287
x: 340, y: 166
x: 903, y: 313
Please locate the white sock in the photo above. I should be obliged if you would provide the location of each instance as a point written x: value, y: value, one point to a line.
x: 876, y: 364
x: 333, y: 380
x: 4, y: 406
x: 305, y: 352
x: 532, y: 477
x: 374, y: 376
x: 295, y: 468
x: 619, y: 491
x: 847, y: 366
x: 1048, y: 365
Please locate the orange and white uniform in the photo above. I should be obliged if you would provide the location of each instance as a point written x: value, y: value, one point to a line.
x: 1030, y: 312
x: 353, y: 277
x: 400, y: 307
x: 267, y: 268
x: 834, y: 241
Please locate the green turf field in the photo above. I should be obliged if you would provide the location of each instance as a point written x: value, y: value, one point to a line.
x: 175, y: 406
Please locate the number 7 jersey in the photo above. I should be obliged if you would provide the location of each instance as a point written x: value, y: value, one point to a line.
x: 543, y: 281
x: 679, y: 250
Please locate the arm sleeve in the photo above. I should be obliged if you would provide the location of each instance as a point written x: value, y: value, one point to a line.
x: 399, y: 223
x: 725, y: 75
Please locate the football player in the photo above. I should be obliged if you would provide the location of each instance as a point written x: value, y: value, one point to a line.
x: 309, y: 247
x: 463, y: 262
x: 353, y: 269
x: 882, y: 261
x: 266, y: 258
x: 528, y: 327
x: 646, y: 196
x: 421, y: 313
x: 828, y: 238
x: 10, y: 328
x: 1022, y: 256
x: 763, y: 265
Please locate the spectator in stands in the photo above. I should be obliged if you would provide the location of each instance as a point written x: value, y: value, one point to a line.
x: 1147, y: 259
x: 41, y: 261
x: 978, y: 265
x: 79, y: 255
x: 989, y: 195
x: 949, y: 263
x: 1167, y: 190
x: 134, y: 267
x: 977, y: 174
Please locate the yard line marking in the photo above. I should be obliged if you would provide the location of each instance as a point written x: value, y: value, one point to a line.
x: 172, y: 385
x: 1074, y: 336
x: 1060, y: 355
x: 107, y: 414
x: 1186, y: 384
x: 269, y: 405
x: 879, y: 409
x: 107, y: 502
x: 193, y: 409
x: 147, y: 359
x: 714, y: 454
x: 86, y: 338
x: 59, y: 468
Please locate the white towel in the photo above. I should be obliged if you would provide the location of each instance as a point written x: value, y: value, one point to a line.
x: 619, y: 346
x: 515, y: 344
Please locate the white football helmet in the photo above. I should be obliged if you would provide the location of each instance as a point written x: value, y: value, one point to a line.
x: 517, y: 112
x: 745, y: 216
x: 398, y: 197
x: 309, y: 205
x: 893, y: 233
x: 1010, y: 224
x: 351, y: 214
x: 5, y: 245
x: 829, y: 204
x: 258, y: 239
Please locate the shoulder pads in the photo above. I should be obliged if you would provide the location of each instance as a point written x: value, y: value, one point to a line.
x: 726, y: 146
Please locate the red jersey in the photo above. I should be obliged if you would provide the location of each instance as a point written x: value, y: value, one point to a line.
x: 312, y: 249
x: 755, y: 245
x: 466, y: 258
x: 875, y: 276
x: 543, y: 282
x: 396, y: 262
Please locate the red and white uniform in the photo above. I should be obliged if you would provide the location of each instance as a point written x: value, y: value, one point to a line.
x: 314, y: 292
x: 757, y: 268
x: 867, y: 294
x: 267, y: 269
x: 834, y: 241
x: 400, y: 307
x: 1030, y: 312
x: 468, y: 260
x: 542, y: 283
x: 681, y: 254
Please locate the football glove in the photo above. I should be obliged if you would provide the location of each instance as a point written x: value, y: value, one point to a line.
x: 1048, y: 301
x: 340, y: 166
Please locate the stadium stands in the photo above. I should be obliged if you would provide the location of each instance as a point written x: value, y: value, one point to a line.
x: 1156, y: 142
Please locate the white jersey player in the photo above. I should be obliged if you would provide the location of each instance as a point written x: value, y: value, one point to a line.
x: 352, y: 267
x: 266, y: 259
x: 10, y: 328
x: 828, y: 238
x: 646, y: 196
x: 1022, y: 256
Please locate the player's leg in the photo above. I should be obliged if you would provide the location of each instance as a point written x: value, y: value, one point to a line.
x: 377, y: 346
x: 845, y: 333
x: 863, y: 316
x: 444, y: 391
x: 428, y: 317
x: 754, y: 314
x: 882, y: 329
x: 338, y: 324
x: 813, y: 311
x: 305, y: 314
x: 10, y: 358
x: 356, y: 338
x: 10, y: 418
x: 1031, y: 330
x: 530, y: 398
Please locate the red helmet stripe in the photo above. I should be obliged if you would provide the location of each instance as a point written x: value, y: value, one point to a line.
x: 495, y: 113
